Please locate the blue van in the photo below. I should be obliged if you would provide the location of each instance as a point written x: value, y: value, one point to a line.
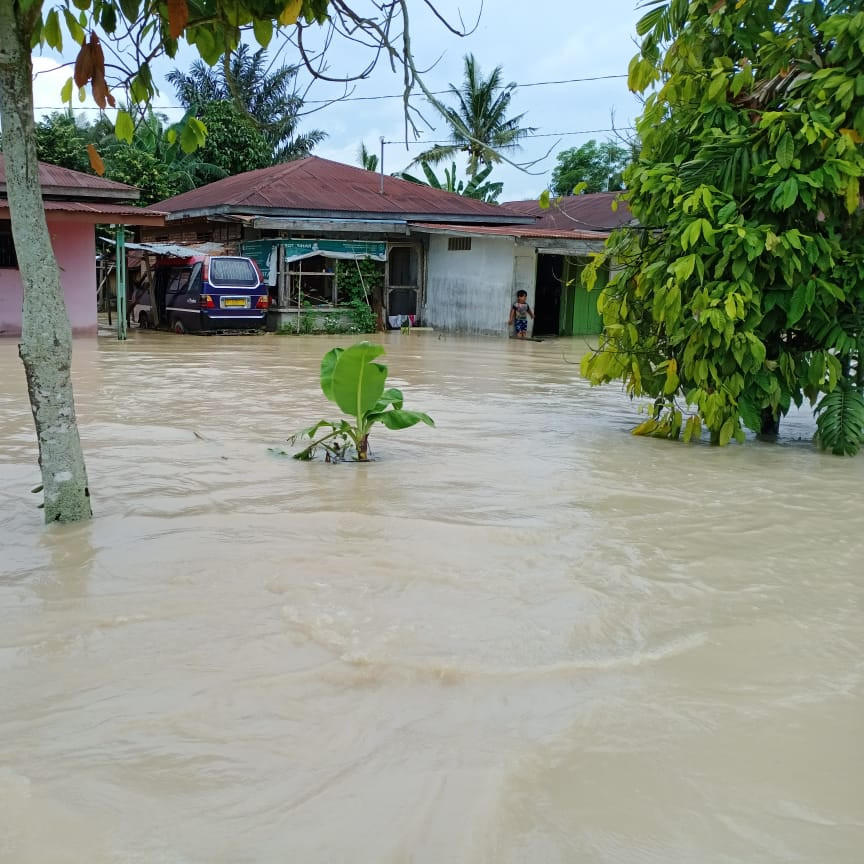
x: 210, y: 294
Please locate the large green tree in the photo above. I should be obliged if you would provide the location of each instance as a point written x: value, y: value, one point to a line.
x: 62, y: 139
x: 234, y: 141
x: 600, y: 167
x: 153, y: 161
x: 479, y: 125
x: 137, y: 31
x: 743, y: 291
x: 263, y: 100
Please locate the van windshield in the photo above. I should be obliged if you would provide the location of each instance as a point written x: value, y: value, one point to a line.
x: 234, y: 272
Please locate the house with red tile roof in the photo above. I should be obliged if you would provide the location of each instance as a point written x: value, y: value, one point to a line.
x: 590, y: 218
x: 454, y: 263
x: 74, y: 204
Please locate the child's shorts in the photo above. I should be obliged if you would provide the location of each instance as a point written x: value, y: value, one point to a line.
x: 521, y: 325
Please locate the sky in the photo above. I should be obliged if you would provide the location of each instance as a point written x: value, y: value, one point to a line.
x: 562, y: 40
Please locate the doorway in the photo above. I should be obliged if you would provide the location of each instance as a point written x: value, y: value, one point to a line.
x: 547, y: 295
x: 403, y: 270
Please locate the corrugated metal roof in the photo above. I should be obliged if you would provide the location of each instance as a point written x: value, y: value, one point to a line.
x: 590, y: 212
x: 55, y: 180
x: 96, y: 211
x: 527, y: 231
x: 316, y: 187
x: 175, y: 250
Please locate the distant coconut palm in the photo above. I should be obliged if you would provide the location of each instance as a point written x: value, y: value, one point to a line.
x: 479, y: 125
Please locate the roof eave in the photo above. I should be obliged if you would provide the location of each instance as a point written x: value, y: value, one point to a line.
x: 349, y: 215
x: 336, y: 226
x: 80, y: 193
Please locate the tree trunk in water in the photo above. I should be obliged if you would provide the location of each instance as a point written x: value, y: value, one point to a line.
x: 770, y: 426
x: 46, y: 335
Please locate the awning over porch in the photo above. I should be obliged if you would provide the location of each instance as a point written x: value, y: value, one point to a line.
x: 265, y: 252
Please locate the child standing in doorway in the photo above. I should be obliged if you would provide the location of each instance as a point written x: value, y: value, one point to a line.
x: 519, y: 313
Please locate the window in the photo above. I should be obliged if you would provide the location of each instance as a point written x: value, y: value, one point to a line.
x: 8, y: 258
x: 458, y: 244
x: 178, y: 280
x: 232, y: 272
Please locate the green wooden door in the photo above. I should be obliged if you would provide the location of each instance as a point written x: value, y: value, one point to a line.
x: 579, y: 315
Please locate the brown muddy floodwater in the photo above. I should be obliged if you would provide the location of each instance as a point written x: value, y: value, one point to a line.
x: 523, y: 636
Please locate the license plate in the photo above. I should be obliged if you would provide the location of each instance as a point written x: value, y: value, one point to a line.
x: 242, y: 302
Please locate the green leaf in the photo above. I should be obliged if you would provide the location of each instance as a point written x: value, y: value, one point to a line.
x: 684, y: 267
x: 108, y: 18
x: 124, y: 128
x: 75, y: 29
x: 785, y: 151
x: 853, y: 198
x: 717, y: 87
x: 840, y: 421
x: 750, y: 414
x: 692, y: 429
x: 726, y: 432
x: 798, y: 306
x: 207, y: 45
x: 400, y: 419
x: 130, y: 9
x: 51, y: 31
x: 328, y: 365
x: 192, y: 134
x: 263, y: 29
x: 358, y: 382
x: 66, y: 91
x: 391, y: 396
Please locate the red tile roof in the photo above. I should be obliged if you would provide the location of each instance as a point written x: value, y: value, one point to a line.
x: 322, y: 188
x: 63, y: 181
x: 96, y: 212
x: 591, y: 212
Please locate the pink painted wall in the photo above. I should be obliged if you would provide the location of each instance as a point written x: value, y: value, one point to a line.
x: 75, y: 249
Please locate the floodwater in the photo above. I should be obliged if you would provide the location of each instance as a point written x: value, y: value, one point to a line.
x: 522, y: 636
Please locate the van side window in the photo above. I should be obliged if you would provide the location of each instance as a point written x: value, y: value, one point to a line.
x: 195, y: 279
x: 178, y: 281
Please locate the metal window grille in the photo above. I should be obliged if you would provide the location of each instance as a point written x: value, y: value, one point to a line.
x: 458, y: 244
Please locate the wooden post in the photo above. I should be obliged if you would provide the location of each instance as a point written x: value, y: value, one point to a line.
x: 121, y: 282
x: 281, y: 278
x: 299, y: 290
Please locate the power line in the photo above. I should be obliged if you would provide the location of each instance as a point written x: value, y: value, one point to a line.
x: 445, y: 92
x: 533, y: 135
x: 360, y: 98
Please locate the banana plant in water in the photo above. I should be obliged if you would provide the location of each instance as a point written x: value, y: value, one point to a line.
x: 352, y: 379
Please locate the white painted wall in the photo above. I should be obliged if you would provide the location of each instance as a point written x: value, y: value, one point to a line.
x: 472, y: 291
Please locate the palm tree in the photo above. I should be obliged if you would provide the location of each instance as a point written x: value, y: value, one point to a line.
x: 267, y: 97
x: 368, y: 160
x: 479, y: 123
x: 477, y: 186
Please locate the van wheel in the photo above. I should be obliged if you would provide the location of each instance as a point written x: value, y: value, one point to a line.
x: 177, y: 326
x: 143, y: 321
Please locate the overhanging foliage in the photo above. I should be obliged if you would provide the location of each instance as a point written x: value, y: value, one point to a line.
x: 743, y: 291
